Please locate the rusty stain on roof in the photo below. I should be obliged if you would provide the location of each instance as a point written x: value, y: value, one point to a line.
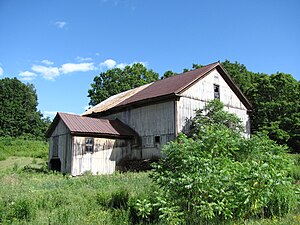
x: 86, y: 125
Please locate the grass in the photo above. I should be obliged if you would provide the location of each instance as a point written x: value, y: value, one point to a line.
x: 30, y: 197
x: 295, y: 173
x: 52, y: 198
x: 22, y: 148
x: 14, y: 161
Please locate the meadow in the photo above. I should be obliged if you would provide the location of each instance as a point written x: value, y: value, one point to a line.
x: 30, y: 194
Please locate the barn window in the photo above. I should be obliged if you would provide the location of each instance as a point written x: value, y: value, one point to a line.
x: 216, y: 91
x: 89, y: 144
x: 55, y: 146
x: 157, y: 139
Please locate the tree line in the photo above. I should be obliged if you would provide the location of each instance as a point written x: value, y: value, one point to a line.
x: 19, y: 116
x: 275, y: 98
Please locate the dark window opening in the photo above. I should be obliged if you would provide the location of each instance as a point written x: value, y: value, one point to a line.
x: 89, y: 144
x: 216, y: 91
x: 157, y: 139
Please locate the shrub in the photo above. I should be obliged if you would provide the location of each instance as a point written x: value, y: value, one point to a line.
x: 222, y: 175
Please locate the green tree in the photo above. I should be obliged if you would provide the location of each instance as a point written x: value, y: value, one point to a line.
x: 117, y: 80
x: 167, y: 74
x: 275, y: 101
x: 18, y: 110
x: 213, y: 113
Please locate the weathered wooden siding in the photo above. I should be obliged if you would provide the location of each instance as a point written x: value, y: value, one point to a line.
x: 150, y: 121
x: 203, y: 91
x: 64, y: 140
x: 107, y: 152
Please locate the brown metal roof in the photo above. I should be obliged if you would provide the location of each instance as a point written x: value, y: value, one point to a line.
x: 168, y: 86
x: 91, y: 126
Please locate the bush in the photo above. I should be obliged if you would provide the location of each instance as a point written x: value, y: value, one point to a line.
x: 221, y: 176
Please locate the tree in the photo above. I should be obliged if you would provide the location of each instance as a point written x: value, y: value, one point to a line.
x: 276, y: 108
x: 275, y: 101
x: 167, y: 74
x: 117, y: 80
x: 18, y: 110
x: 214, y: 114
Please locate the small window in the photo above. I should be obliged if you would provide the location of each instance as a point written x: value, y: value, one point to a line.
x: 89, y: 144
x: 216, y: 91
x: 157, y: 139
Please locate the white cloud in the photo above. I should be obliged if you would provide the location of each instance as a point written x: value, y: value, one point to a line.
x: 60, y: 24
x: 121, y: 65
x: 47, y: 62
x: 108, y: 64
x: 1, y: 71
x: 83, y: 59
x: 27, y: 75
x: 49, y: 73
x: 76, y: 67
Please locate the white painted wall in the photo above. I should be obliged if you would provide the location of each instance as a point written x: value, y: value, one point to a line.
x: 203, y: 91
x: 150, y: 121
x: 107, y: 152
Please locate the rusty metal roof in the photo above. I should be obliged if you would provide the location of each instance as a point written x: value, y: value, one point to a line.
x: 91, y: 126
x: 171, y: 85
x: 165, y: 87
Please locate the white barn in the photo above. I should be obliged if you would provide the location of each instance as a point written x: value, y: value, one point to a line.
x: 150, y: 116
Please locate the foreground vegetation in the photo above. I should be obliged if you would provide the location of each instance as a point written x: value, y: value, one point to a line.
x: 31, y: 195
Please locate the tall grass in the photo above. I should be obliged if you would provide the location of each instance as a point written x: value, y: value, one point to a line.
x: 30, y: 197
x: 40, y: 198
x: 295, y: 173
x: 21, y: 147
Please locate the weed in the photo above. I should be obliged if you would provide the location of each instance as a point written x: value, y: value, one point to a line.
x: 119, y: 199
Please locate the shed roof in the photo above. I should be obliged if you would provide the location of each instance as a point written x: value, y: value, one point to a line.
x: 166, y: 88
x: 79, y: 125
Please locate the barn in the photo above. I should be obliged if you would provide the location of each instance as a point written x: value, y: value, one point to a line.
x: 135, y: 124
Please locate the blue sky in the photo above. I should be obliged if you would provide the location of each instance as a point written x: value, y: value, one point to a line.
x: 60, y: 45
